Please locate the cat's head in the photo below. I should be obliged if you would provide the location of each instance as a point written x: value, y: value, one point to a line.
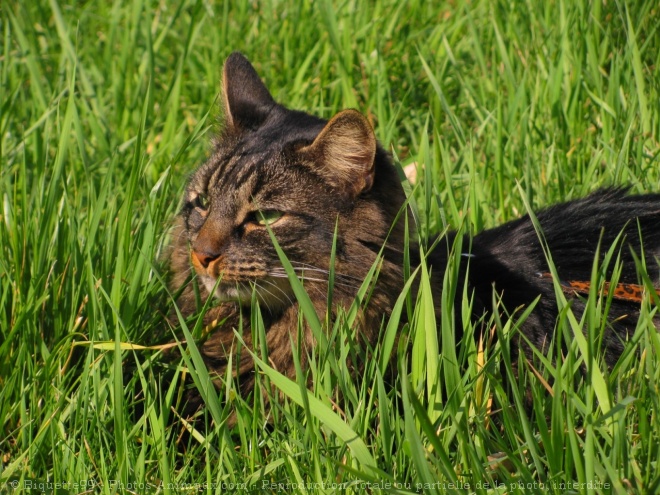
x: 299, y: 176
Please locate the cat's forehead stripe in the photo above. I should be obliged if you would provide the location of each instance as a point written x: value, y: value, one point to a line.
x: 238, y: 173
x: 219, y: 169
x: 246, y: 172
x: 224, y: 162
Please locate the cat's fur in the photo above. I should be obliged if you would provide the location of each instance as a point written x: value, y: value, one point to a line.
x: 320, y: 175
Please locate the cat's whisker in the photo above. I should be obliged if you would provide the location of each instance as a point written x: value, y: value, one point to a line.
x: 302, y: 277
x: 317, y: 289
x: 305, y: 266
x: 278, y: 288
x: 261, y: 288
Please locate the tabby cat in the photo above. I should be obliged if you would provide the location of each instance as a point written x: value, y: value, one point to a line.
x: 302, y: 177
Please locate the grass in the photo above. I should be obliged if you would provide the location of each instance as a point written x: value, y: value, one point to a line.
x: 105, y: 109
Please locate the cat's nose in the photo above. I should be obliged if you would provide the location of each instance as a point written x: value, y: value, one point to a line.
x: 210, y: 242
x: 204, y: 258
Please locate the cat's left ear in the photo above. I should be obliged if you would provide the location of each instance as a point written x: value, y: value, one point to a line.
x: 247, y: 100
x: 344, y: 152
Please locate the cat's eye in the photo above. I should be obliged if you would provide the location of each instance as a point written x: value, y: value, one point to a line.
x: 267, y: 217
x: 201, y: 202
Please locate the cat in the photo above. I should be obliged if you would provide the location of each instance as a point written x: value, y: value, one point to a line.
x: 301, y: 177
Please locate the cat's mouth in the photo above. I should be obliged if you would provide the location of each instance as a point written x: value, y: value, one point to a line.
x: 274, y: 294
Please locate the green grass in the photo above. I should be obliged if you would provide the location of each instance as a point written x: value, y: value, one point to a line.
x: 105, y: 110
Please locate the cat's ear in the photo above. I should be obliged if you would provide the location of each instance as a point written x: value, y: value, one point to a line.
x: 344, y: 152
x: 247, y: 100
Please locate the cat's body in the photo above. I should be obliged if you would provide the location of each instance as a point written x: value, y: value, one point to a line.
x: 302, y: 178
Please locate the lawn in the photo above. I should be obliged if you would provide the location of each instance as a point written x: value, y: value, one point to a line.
x: 105, y: 109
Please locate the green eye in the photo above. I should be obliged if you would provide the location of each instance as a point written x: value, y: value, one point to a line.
x: 268, y: 217
x: 202, y: 202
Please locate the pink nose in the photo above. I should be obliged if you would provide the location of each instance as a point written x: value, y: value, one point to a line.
x: 205, y: 258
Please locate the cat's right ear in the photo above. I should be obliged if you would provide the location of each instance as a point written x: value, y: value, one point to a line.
x: 247, y: 100
x: 344, y: 153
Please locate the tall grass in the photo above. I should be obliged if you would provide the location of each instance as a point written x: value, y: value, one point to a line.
x: 503, y: 106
